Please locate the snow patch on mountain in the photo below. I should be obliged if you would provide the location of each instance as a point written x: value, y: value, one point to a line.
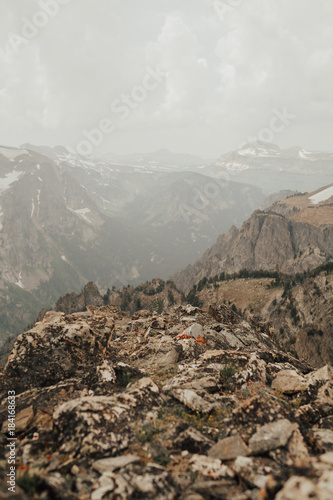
x: 259, y: 151
x: 38, y: 201
x: 82, y: 213
x: 321, y: 196
x: 9, y: 179
x: 19, y: 282
x: 306, y: 155
x: 12, y: 154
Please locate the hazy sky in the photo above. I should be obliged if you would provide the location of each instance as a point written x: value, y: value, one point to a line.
x: 224, y: 70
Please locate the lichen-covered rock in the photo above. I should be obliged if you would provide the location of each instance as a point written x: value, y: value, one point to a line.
x: 272, y: 436
x: 100, y: 424
x: 193, y: 441
x: 289, y: 382
x: 111, y: 406
x: 247, y: 469
x: 229, y: 448
x: 192, y: 400
x: 210, y: 467
x: 303, y: 488
x: 324, y: 437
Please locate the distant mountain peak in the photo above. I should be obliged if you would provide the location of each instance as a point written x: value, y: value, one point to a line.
x: 259, y: 148
x: 261, y: 144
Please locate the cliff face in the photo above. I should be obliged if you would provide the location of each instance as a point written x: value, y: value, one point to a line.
x: 293, y: 236
x: 297, y: 311
x: 73, y: 302
x: 303, y: 316
x: 187, y: 404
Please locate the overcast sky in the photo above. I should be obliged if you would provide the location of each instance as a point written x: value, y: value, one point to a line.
x: 222, y: 73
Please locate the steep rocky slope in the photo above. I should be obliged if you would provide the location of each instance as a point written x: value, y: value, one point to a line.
x: 296, y: 310
x: 189, y: 404
x: 53, y: 238
x: 294, y: 235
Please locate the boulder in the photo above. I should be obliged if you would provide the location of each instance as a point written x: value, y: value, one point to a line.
x: 298, y: 487
x: 289, y: 382
x: 113, y: 463
x: 272, y: 436
x: 229, y: 448
x: 192, y: 400
x: 324, y: 438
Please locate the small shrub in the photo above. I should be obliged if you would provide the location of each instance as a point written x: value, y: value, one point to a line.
x: 30, y: 484
x: 227, y: 371
x: 147, y: 433
x: 161, y: 458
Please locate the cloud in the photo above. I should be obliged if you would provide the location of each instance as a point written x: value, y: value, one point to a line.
x: 277, y: 54
x: 223, y: 77
x: 181, y: 56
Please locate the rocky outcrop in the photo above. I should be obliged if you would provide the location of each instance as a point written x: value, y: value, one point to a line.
x: 189, y: 404
x: 291, y: 237
x: 72, y: 302
x: 296, y: 311
x: 154, y: 295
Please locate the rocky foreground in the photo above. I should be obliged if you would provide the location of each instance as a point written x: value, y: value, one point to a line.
x: 187, y: 405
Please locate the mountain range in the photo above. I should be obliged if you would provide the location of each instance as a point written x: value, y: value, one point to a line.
x: 67, y: 220
x: 273, y: 169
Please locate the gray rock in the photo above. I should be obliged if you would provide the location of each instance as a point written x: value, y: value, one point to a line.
x: 325, y: 396
x: 192, y: 400
x: 106, y: 373
x: 327, y: 458
x: 229, y: 448
x: 194, y: 331
x: 210, y: 467
x: 298, y: 454
x: 324, y: 438
x: 113, y: 463
x: 168, y: 355
x: 247, y: 469
x: 301, y: 488
x: 289, y: 382
x: 193, y: 441
x: 272, y: 436
x: 22, y: 421
x: 325, y: 482
x: 324, y: 374
x: 101, y: 425
x: 102, y: 491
